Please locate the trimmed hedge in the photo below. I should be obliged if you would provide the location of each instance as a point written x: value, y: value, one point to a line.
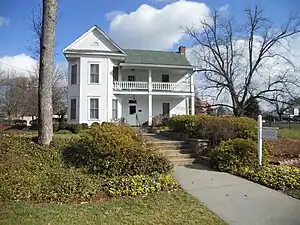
x: 214, y: 128
x: 232, y: 155
x: 116, y: 151
x: 276, y: 177
x: 140, y: 185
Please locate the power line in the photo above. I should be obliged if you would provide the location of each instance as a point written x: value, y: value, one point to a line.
x: 15, y: 67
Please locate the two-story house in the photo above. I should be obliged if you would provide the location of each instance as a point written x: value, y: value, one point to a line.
x: 106, y: 82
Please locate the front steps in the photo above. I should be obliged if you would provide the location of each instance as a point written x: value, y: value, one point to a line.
x: 178, y: 152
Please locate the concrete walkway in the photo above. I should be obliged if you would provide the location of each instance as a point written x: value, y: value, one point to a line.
x: 236, y: 200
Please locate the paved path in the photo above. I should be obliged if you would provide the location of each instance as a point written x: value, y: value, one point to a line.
x: 236, y: 200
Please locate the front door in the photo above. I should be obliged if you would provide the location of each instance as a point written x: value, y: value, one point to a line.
x: 132, y: 120
x: 166, y: 109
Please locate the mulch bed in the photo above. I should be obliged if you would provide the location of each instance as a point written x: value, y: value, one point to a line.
x: 285, y: 149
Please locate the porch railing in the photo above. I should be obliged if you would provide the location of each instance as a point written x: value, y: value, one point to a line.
x: 156, y: 86
x: 167, y: 86
x: 130, y: 85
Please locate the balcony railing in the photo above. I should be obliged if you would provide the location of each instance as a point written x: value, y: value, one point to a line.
x: 156, y: 86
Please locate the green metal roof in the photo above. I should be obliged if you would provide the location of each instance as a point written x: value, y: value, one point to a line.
x: 155, y: 57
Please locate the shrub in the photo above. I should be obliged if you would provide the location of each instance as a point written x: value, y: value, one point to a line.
x: 276, y: 177
x: 140, y: 185
x: 231, y: 156
x: 160, y: 120
x: 55, y: 127
x: 84, y: 126
x: 75, y: 128
x: 64, y: 132
x: 63, y: 126
x: 214, y: 128
x: 115, y: 150
x: 95, y: 124
x: 33, y: 173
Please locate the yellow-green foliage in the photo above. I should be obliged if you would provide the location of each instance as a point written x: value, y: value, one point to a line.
x: 140, y: 185
x: 277, y: 177
x: 232, y: 155
x: 114, y: 150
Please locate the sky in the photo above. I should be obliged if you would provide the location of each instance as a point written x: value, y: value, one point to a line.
x: 143, y: 24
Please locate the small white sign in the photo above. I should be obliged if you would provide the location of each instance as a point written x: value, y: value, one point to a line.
x: 269, y: 133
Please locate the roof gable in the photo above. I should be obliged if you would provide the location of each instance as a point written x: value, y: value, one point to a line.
x: 94, y: 40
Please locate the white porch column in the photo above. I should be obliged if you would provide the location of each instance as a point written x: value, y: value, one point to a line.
x: 192, y: 83
x: 193, y: 105
x: 119, y: 73
x: 150, y: 110
x: 187, y: 103
x: 120, y: 102
x: 149, y: 80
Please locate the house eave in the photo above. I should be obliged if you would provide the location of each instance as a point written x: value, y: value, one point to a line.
x: 156, y: 66
x: 69, y: 54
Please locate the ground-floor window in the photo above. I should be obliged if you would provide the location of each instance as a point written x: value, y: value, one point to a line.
x: 94, y: 108
x: 114, y: 108
x: 73, y: 109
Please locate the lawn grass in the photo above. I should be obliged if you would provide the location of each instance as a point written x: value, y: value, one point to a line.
x: 175, y: 207
x: 289, y: 133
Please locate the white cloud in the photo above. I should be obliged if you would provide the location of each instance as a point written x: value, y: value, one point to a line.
x: 152, y: 28
x: 18, y: 64
x: 223, y: 9
x: 113, y: 14
x: 4, y: 22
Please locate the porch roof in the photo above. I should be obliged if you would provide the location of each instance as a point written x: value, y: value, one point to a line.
x: 151, y: 57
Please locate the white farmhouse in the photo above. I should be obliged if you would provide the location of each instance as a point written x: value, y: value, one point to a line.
x: 107, y: 83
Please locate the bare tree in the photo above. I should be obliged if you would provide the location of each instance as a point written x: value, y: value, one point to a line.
x: 281, y: 103
x: 45, y: 71
x: 241, y: 61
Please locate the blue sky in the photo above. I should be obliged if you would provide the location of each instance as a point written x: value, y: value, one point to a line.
x: 77, y: 16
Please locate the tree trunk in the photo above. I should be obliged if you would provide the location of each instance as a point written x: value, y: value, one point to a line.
x: 45, y: 72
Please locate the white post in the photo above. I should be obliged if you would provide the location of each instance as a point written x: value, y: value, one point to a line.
x: 149, y: 80
x: 120, y: 73
x: 259, y: 124
x: 187, y: 103
x: 193, y: 105
x: 192, y: 83
x: 150, y: 110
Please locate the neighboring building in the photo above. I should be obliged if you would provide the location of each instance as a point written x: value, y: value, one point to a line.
x: 107, y: 83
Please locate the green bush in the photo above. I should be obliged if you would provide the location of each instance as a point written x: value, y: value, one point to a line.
x: 75, y: 128
x: 33, y: 173
x: 214, y: 128
x: 55, y: 127
x: 140, y: 185
x: 84, y: 126
x: 64, y: 132
x: 276, y: 177
x: 114, y: 151
x: 63, y: 126
x: 232, y: 155
x: 95, y: 124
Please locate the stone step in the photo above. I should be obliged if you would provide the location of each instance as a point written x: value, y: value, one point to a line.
x: 180, y: 161
x: 177, y: 152
x: 172, y: 148
x: 170, y: 145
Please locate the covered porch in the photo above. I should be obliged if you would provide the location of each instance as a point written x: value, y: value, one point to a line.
x: 138, y: 109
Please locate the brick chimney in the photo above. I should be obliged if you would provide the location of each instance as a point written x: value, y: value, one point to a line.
x: 181, y: 50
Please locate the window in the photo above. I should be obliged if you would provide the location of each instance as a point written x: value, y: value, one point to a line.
x: 115, y: 73
x: 94, y: 73
x: 114, y: 108
x: 131, y: 78
x: 132, y: 109
x: 73, y: 109
x: 94, y: 108
x: 74, y: 74
x: 165, y: 78
x: 166, y: 109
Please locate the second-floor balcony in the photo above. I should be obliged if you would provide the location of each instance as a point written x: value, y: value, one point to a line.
x: 153, y: 86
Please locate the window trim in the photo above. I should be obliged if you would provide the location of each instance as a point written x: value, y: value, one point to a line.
x: 89, y: 72
x: 89, y: 108
x: 77, y: 72
x: 76, y: 111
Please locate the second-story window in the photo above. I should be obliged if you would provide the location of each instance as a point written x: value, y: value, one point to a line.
x: 94, y: 73
x: 74, y: 74
x: 131, y: 78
